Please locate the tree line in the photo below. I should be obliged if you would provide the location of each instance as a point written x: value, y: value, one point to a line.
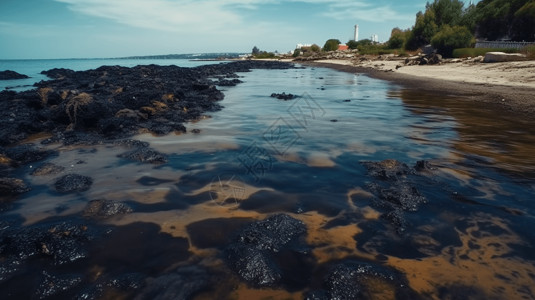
x: 448, y: 24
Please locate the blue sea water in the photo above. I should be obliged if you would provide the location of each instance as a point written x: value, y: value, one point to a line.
x: 473, y: 238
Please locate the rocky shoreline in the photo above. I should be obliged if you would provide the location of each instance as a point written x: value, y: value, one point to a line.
x: 106, y: 106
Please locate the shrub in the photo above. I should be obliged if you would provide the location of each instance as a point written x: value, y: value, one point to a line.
x: 296, y: 52
x: 450, y: 38
x: 331, y: 45
x: 265, y: 54
x: 352, y: 44
x: 529, y: 51
x: 315, y: 48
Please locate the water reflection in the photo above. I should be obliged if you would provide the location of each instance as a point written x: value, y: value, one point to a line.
x: 487, y: 136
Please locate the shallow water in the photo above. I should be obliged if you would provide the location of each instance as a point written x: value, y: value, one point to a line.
x: 258, y: 156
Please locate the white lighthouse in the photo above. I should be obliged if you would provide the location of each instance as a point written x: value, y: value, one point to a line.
x: 356, y: 33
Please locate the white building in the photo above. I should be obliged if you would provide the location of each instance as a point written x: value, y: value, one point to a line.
x: 374, y: 38
x: 356, y: 37
x: 299, y: 46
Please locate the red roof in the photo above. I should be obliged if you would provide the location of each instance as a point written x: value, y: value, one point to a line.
x: 343, y: 47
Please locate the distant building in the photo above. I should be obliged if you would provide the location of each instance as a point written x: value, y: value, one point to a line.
x: 374, y: 38
x: 343, y: 47
x: 299, y: 46
x: 356, y: 37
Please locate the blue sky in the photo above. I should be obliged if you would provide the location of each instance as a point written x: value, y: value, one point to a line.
x: 117, y: 28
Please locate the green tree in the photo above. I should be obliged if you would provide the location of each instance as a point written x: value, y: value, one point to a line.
x: 352, y: 44
x: 296, y: 53
x: 364, y: 43
x: 424, y: 29
x: 523, y: 25
x: 447, y: 12
x: 397, y: 39
x: 450, y: 38
x: 255, y: 51
x: 331, y: 45
x: 468, y: 18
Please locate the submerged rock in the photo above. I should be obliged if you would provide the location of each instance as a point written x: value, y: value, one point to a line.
x: 73, y: 183
x: 27, y: 153
x: 48, y: 169
x: 399, y: 195
x: 253, y: 253
x: 124, y: 286
x: 395, y: 192
x: 183, y: 283
x: 53, y: 285
x: 145, y: 155
x: 105, y: 208
x: 12, y: 186
x: 389, y: 169
x: 358, y: 280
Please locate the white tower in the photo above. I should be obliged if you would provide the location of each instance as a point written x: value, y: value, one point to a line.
x: 356, y: 33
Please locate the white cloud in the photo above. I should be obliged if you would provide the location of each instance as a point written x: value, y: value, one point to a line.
x: 164, y: 15
x: 211, y: 15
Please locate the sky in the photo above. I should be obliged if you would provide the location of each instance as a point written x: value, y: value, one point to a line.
x: 45, y: 29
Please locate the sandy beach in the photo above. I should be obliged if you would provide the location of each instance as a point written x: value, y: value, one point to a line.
x: 508, y: 85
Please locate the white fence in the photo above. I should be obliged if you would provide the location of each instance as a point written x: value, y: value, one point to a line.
x: 498, y: 44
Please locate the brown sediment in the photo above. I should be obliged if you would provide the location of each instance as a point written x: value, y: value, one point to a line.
x: 314, y: 159
x: 481, y: 263
x: 517, y: 98
x: 244, y: 292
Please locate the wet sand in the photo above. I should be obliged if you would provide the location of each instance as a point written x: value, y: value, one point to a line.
x: 507, y: 86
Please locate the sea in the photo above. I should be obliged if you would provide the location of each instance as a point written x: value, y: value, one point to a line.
x: 473, y: 237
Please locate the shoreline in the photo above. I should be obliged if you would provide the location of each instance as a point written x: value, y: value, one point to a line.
x: 513, y: 97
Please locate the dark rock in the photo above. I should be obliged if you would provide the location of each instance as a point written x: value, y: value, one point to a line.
x: 196, y: 131
x: 284, y: 96
x: 389, y: 169
x: 356, y: 280
x: 27, y: 153
x: 253, y: 252
x: 226, y: 82
x: 73, y: 183
x: 48, y: 169
x: 8, y: 75
x: 126, y: 285
x: 145, y: 155
x: 53, y: 286
x: 183, y: 283
x: 395, y: 191
x: 62, y: 243
x: 105, y: 208
x: 422, y: 165
x: 400, y: 195
x: 12, y: 186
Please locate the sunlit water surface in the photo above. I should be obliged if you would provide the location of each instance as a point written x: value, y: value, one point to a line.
x: 302, y: 157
